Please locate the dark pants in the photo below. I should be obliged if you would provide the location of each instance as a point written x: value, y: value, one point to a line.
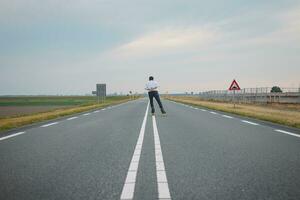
x: 156, y: 96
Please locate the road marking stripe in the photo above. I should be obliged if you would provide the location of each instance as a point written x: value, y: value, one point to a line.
x: 12, y: 135
x: 47, y: 125
x: 86, y: 114
x: 135, y: 158
x: 129, y: 185
x: 96, y: 111
x: 133, y: 166
x: 226, y: 116
x: 71, y: 118
x: 248, y: 122
x: 160, y: 166
x: 203, y: 110
x: 162, y: 182
x: 288, y: 133
x: 128, y: 191
x: 164, y: 190
x: 213, y: 113
x: 161, y: 177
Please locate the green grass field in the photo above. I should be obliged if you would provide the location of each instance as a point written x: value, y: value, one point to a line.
x: 52, y: 100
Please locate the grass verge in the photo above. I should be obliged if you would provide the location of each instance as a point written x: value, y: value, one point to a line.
x: 15, y: 122
x: 267, y: 113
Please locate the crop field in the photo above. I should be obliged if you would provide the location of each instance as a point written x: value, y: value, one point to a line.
x: 48, y: 100
x: 10, y: 111
x: 19, y: 106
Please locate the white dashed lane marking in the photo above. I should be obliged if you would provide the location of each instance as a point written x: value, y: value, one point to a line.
x: 226, y: 116
x: 71, y: 118
x: 10, y: 136
x: 248, y: 122
x: 288, y: 133
x: 47, y: 125
x: 51, y: 124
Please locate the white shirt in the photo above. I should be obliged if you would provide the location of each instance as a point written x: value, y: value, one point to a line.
x: 151, y: 86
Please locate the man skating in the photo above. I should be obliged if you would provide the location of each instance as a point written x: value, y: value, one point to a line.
x: 152, y: 87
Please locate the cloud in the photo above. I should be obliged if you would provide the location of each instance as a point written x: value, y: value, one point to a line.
x: 250, y: 30
x: 170, y: 39
x: 227, y: 40
x: 291, y: 23
x: 287, y: 32
x: 120, y: 42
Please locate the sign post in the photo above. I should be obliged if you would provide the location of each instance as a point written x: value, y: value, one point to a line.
x: 233, y: 87
x: 100, y: 92
x: 233, y: 98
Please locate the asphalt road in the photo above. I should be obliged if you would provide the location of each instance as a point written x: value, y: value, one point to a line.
x: 123, y: 152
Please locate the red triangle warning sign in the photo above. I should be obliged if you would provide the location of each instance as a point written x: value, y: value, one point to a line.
x: 234, y: 86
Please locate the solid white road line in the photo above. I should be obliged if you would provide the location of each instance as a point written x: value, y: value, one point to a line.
x: 162, y: 182
x: 203, y: 110
x: 226, y: 116
x: 129, y: 185
x: 51, y: 124
x: 71, y: 118
x: 248, y: 122
x: 86, y: 114
x: 288, y: 133
x: 12, y: 135
x: 213, y: 113
x: 96, y: 111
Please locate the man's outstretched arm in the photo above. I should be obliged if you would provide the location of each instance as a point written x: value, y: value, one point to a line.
x: 151, y: 89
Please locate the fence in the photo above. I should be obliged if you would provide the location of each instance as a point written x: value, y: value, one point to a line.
x: 254, y: 95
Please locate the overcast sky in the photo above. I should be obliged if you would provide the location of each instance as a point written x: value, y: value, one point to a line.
x: 67, y: 46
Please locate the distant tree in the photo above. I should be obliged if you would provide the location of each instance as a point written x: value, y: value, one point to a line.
x: 276, y: 89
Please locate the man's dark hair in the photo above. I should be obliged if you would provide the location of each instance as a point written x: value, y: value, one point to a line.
x: 151, y: 78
